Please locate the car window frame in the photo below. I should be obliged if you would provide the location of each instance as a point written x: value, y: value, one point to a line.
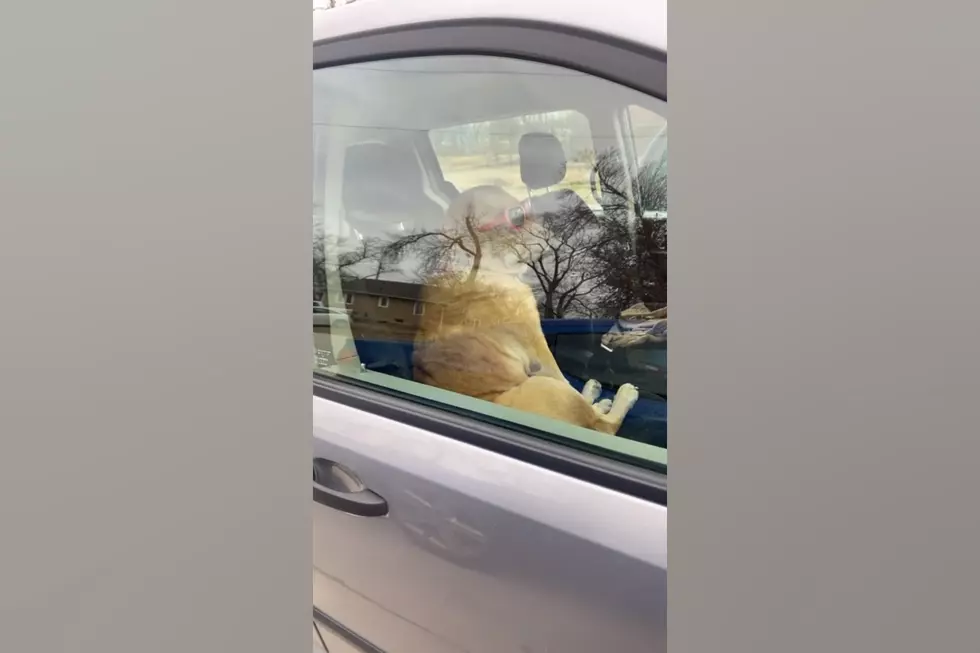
x: 629, y: 64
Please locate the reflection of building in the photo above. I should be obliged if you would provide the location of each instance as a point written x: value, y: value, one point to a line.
x: 384, y: 308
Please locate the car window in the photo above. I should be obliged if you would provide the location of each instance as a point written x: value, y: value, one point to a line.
x: 647, y: 127
x: 487, y: 152
x: 479, y: 227
x: 649, y: 130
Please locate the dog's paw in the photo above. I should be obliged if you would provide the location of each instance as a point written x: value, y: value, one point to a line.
x: 626, y: 397
x: 591, y: 390
x: 603, y: 407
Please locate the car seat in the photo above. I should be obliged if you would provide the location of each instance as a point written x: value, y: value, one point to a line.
x: 543, y: 165
x: 384, y: 191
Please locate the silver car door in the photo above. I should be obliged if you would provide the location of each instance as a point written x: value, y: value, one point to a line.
x: 486, y: 543
x: 443, y: 522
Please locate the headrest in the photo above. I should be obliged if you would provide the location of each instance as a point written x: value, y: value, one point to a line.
x: 542, y: 160
x: 380, y: 178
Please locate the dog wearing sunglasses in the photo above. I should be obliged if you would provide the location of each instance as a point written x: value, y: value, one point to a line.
x: 484, y: 339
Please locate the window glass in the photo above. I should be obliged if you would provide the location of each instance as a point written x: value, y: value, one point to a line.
x: 487, y: 153
x: 649, y: 131
x: 647, y: 126
x: 488, y: 238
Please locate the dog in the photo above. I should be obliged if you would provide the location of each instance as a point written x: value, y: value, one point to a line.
x: 486, y: 341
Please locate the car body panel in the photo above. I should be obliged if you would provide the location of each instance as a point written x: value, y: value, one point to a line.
x: 481, y: 552
x: 495, y: 537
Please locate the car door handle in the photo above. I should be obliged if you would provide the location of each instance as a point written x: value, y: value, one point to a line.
x: 337, y: 487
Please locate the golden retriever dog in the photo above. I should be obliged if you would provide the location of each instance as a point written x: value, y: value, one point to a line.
x: 482, y: 337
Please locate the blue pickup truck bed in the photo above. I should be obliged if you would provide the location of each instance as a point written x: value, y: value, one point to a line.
x: 577, y: 347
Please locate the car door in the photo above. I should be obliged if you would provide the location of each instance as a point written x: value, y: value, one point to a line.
x: 444, y: 522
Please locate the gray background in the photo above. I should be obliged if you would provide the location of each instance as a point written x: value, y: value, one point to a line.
x: 825, y: 423
x: 155, y: 341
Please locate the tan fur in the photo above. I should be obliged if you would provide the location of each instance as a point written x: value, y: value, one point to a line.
x: 487, y: 342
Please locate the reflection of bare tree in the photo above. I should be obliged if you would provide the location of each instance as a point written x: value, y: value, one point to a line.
x: 368, y: 254
x: 564, y: 263
x: 435, y: 252
x: 583, y: 263
x: 633, y: 256
x: 634, y: 273
x: 365, y: 258
x: 431, y: 250
x: 602, y: 265
x: 652, y: 186
x: 633, y: 194
x: 561, y: 256
x: 319, y: 264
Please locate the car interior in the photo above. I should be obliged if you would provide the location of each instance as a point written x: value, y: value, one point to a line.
x: 379, y: 177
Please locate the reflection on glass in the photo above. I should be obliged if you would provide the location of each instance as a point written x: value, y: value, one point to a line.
x: 485, y: 225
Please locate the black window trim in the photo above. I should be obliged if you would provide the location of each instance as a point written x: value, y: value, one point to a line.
x: 321, y: 618
x: 635, y: 66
